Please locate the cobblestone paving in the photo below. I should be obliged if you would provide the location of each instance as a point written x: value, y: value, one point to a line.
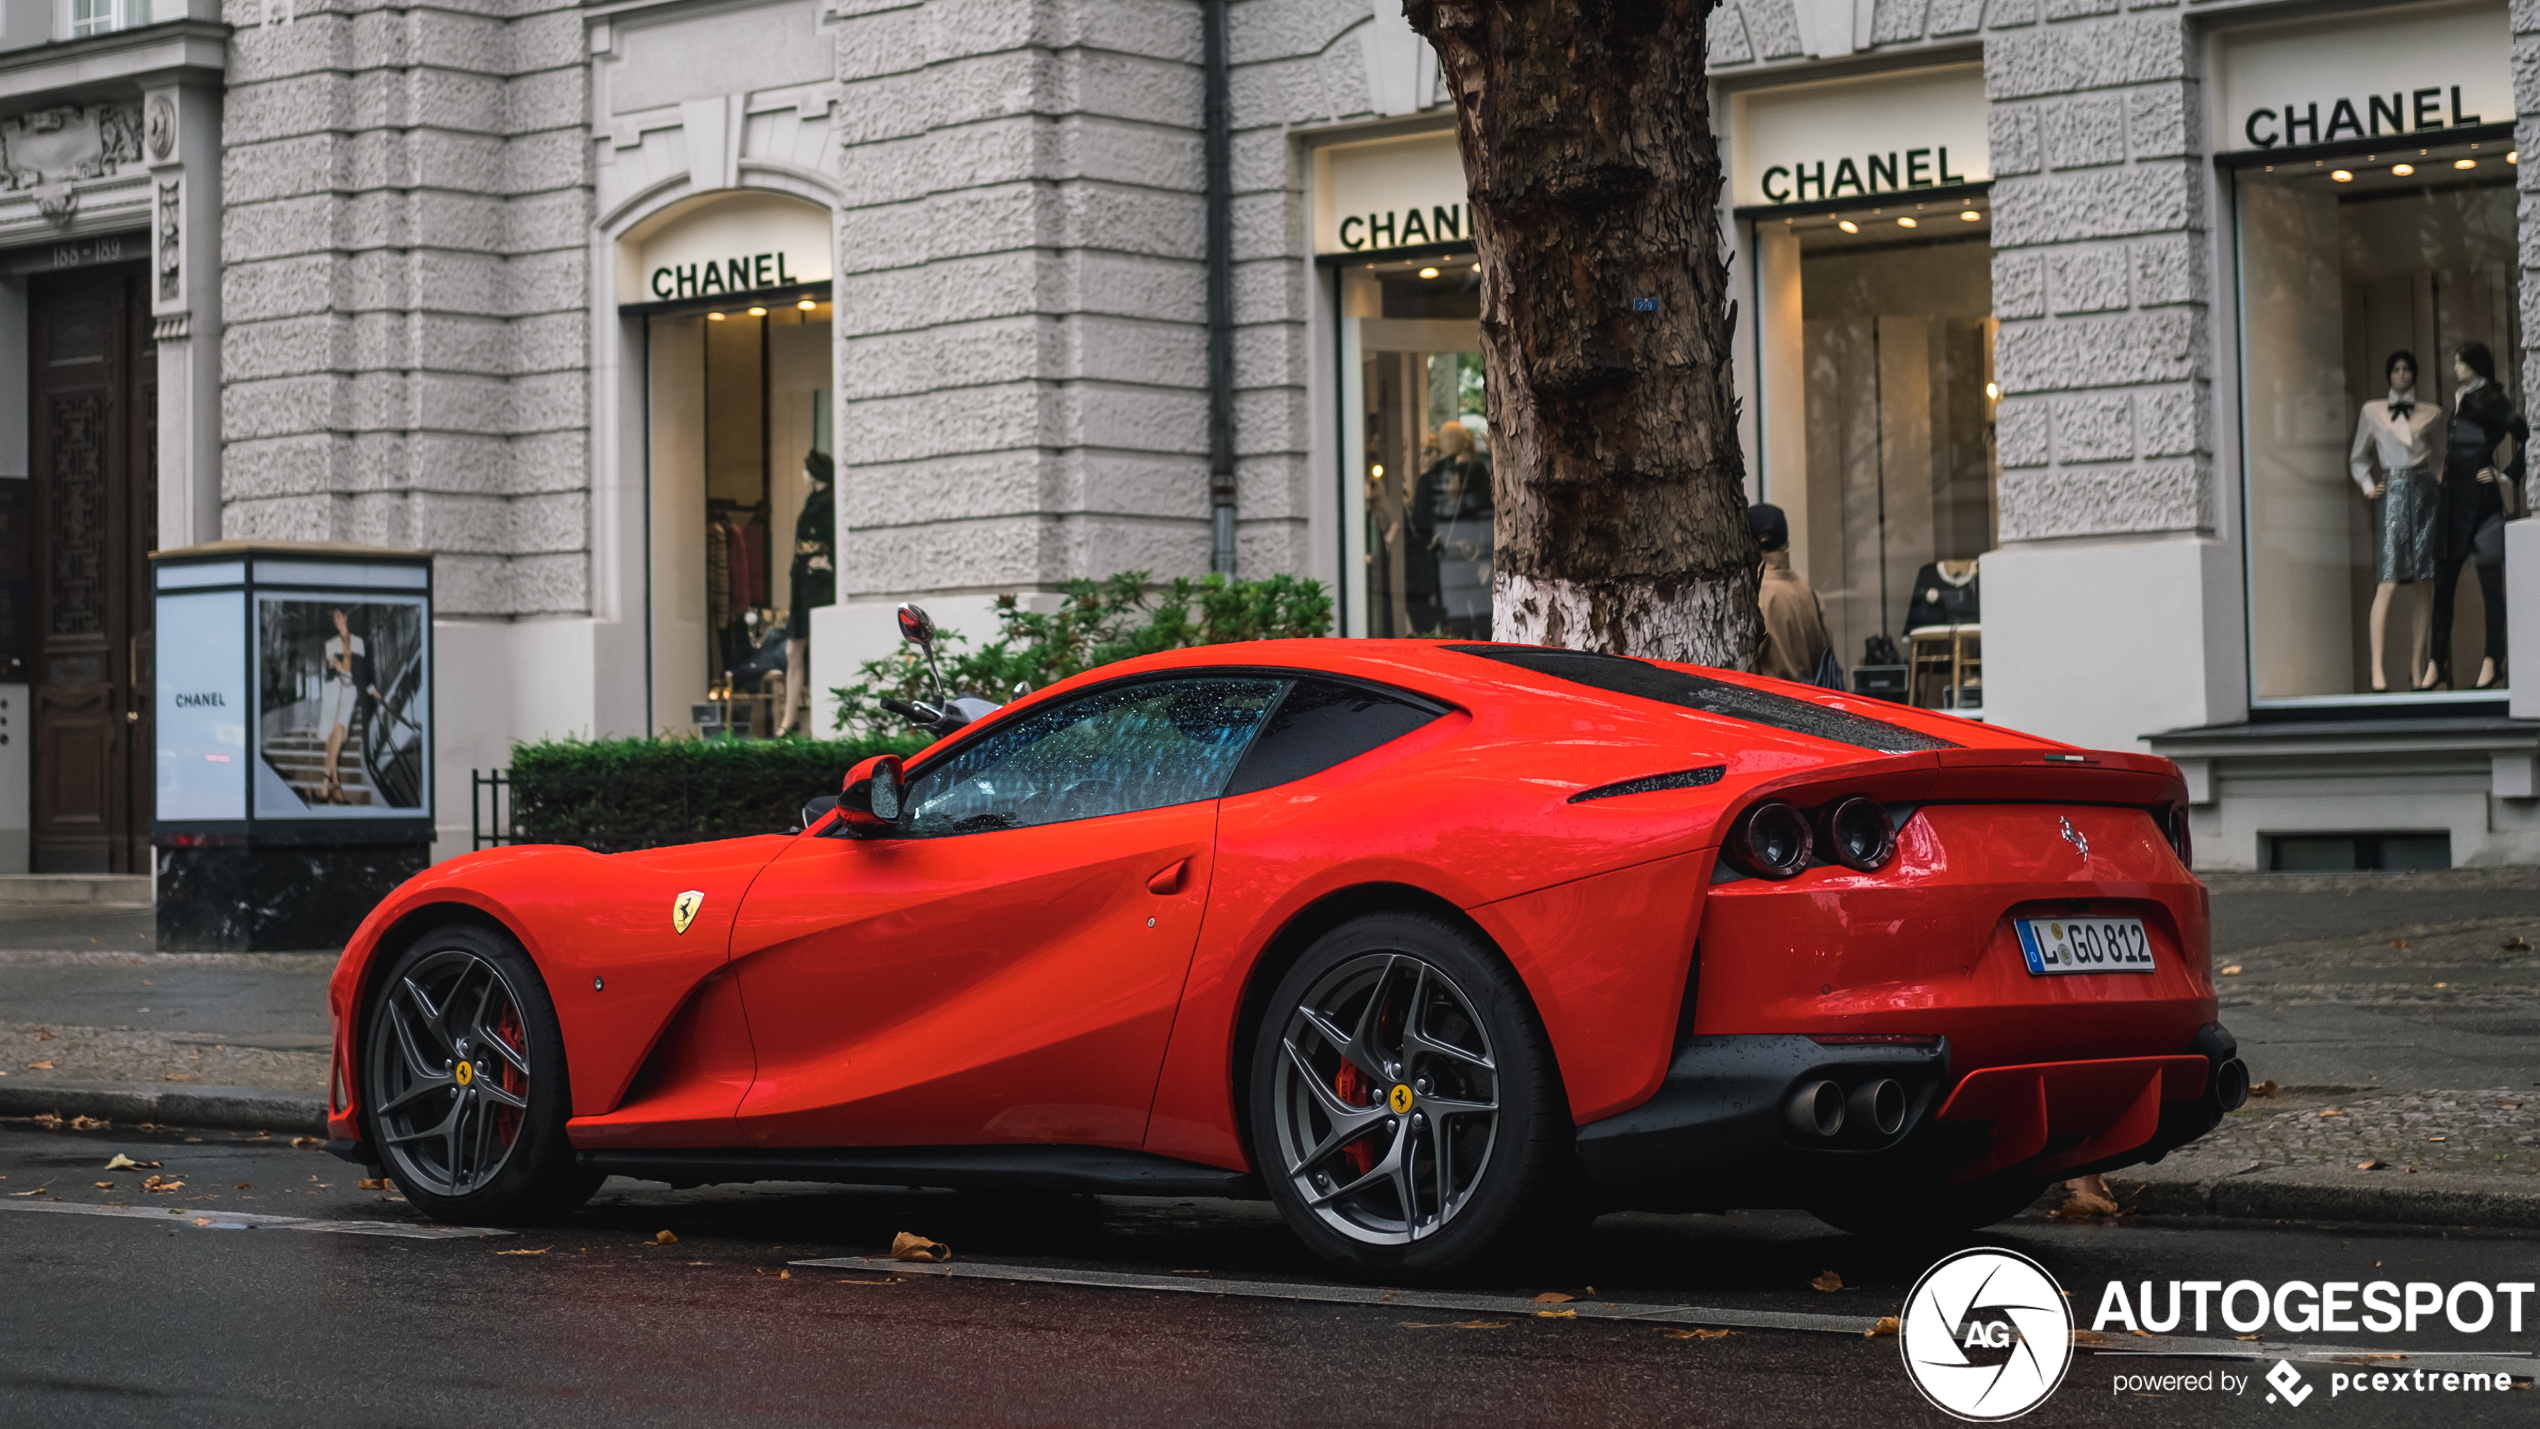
x: 2489, y: 1132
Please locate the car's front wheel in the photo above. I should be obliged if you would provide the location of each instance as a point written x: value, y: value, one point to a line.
x: 1406, y: 1114
x: 464, y: 1075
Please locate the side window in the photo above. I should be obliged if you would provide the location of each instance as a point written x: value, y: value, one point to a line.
x: 1115, y: 751
x: 1320, y: 724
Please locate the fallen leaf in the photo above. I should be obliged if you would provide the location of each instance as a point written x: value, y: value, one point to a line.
x: 905, y: 1246
x: 2515, y: 944
x: 374, y: 1184
x: 242, y: 1185
x: 2086, y: 1196
x: 2442, y: 984
x: 103, y: 1185
x: 304, y: 1142
x: 2266, y: 1088
x: 45, y: 1066
x: 2232, y: 971
x: 2399, y: 943
x: 1886, y: 1326
x: 178, y: 1077
x: 1828, y: 1282
x: 1554, y: 1297
x: 2374, y: 1164
x: 2331, y: 1111
x: 202, y: 1220
x: 2147, y: 1334
x: 2089, y: 1337
x: 2434, y: 1138
x: 2244, y: 1337
x: 122, y: 1162
x: 664, y: 1238
x: 145, y: 982
x: 1556, y: 1314
x: 38, y: 1191
x: 161, y: 1183
x: 45, y: 1034
x: 1698, y: 1333
x: 90, y: 1123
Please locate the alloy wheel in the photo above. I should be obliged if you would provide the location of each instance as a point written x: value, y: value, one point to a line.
x: 1386, y: 1099
x: 449, y: 1073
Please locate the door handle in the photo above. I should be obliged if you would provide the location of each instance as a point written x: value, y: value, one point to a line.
x: 1169, y: 881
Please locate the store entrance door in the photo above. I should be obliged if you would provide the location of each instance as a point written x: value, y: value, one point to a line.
x: 92, y: 405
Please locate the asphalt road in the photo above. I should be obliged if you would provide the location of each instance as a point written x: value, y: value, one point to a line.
x: 159, y: 1319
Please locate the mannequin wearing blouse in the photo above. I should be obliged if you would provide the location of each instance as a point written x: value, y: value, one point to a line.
x: 2394, y: 438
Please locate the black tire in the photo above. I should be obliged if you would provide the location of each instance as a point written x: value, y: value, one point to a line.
x: 1933, y: 1212
x: 456, y: 1144
x: 1510, y: 1190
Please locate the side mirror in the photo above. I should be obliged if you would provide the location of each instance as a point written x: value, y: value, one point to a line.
x: 869, y: 801
x: 917, y: 628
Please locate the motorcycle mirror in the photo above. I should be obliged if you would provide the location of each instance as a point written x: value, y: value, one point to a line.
x: 869, y: 799
x: 916, y: 628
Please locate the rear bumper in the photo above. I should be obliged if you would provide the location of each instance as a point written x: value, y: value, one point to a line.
x: 1719, y: 1132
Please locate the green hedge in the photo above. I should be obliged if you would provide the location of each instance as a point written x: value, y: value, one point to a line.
x: 618, y: 794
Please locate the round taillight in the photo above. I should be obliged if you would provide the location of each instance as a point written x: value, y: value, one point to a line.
x: 2181, y: 843
x: 1772, y: 841
x: 1859, y: 834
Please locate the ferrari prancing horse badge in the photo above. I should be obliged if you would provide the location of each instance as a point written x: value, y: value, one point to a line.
x: 683, y: 910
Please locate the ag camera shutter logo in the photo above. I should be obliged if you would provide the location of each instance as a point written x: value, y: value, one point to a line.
x: 1986, y: 1335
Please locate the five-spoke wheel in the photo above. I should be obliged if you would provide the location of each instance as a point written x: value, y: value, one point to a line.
x: 1405, y: 1114
x: 464, y: 1080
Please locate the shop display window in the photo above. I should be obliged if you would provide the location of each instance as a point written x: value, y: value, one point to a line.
x: 740, y: 418
x: 1876, y: 365
x: 2375, y: 551
x: 1420, y: 499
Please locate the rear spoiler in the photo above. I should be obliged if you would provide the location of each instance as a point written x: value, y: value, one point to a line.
x: 1992, y: 776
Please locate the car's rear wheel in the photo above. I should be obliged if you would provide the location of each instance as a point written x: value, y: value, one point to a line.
x: 1406, y: 1113
x: 465, y: 1081
x: 1919, y: 1213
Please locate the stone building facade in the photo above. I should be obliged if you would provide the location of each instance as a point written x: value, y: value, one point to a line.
x: 587, y: 299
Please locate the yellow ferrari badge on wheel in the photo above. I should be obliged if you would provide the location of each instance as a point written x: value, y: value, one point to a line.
x: 464, y: 1072
x: 683, y: 910
x: 1400, y: 1101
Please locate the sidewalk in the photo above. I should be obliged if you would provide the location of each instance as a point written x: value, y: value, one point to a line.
x: 2403, y: 1004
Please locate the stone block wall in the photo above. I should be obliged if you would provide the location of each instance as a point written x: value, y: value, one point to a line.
x: 405, y: 290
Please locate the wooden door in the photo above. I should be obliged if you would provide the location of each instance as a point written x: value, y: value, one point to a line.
x: 92, y: 417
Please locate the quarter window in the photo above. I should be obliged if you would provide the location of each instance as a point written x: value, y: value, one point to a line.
x: 1115, y: 751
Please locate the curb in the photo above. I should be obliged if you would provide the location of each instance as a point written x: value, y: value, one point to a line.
x: 133, y: 1103
x: 2242, y: 1190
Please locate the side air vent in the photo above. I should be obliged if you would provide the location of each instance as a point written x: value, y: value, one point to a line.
x: 1654, y: 783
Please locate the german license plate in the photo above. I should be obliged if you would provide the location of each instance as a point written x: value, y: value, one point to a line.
x: 2084, y: 945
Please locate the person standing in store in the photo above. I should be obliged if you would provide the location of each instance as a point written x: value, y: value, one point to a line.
x: 1795, y: 645
x: 2470, y: 524
x: 814, y: 578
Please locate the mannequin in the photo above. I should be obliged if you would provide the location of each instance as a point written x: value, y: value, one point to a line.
x: 814, y: 577
x: 2482, y: 419
x: 1945, y: 593
x: 2394, y: 433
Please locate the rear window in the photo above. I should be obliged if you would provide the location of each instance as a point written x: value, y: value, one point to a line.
x: 1615, y: 674
x: 1319, y: 724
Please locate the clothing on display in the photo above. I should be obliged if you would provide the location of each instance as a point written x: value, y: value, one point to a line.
x: 718, y: 574
x: 2483, y: 418
x: 1447, y: 561
x: 342, y: 694
x: 813, y: 575
x: 2395, y: 436
x: 1945, y: 593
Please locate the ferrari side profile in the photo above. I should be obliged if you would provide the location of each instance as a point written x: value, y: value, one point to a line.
x: 1429, y: 943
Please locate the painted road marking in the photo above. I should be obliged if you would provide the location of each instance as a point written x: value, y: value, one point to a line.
x: 253, y: 1221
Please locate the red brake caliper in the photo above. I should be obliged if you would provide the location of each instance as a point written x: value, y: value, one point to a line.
x: 1353, y: 1087
x: 514, y: 1081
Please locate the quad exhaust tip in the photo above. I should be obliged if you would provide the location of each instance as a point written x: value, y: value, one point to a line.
x: 2231, y: 1084
x: 1878, y: 1105
x: 1815, y: 1111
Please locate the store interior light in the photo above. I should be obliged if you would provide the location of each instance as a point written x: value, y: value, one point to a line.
x: 2403, y: 170
x: 1907, y: 221
x: 758, y: 312
x: 2465, y: 163
x: 1993, y: 391
x: 2343, y: 176
x: 1847, y: 225
x: 714, y: 317
x: 1477, y: 267
x: 1377, y: 470
x: 2513, y: 156
x: 806, y: 305
x: 1971, y: 216
x: 1428, y: 272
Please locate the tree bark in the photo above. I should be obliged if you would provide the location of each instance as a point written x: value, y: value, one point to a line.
x: 1594, y: 187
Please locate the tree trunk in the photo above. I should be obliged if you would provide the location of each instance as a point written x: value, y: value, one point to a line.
x: 1595, y: 187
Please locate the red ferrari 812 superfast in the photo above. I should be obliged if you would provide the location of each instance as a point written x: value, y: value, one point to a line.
x: 1429, y: 943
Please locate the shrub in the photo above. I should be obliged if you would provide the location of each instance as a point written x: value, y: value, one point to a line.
x: 1096, y: 623
x: 612, y: 795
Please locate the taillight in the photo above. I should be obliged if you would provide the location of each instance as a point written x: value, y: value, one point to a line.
x: 2181, y: 843
x: 1859, y: 834
x: 1771, y: 841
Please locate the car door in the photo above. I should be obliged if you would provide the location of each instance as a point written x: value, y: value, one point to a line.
x: 1004, y: 967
